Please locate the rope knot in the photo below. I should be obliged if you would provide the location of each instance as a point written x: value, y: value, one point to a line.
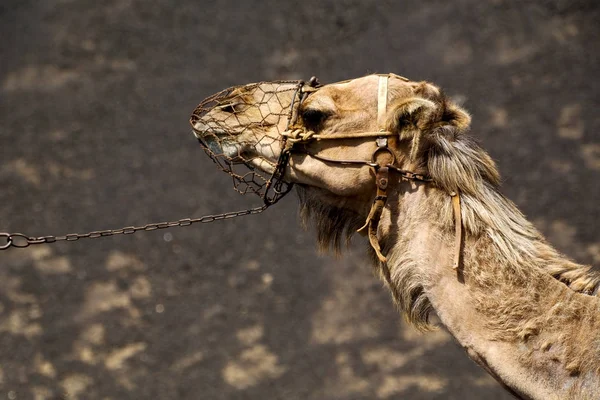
x: 296, y: 135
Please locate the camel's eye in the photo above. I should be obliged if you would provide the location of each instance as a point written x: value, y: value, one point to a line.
x: 313, y: 118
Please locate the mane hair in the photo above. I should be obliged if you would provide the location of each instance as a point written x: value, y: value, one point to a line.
x: 438, y: 131
x: 511, y: 249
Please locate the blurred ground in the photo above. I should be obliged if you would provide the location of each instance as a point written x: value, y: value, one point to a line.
x: 95, y: 98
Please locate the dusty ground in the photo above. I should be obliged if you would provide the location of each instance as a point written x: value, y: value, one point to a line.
x: 95, y: 98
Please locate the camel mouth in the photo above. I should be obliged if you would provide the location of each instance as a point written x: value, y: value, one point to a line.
x: 217, y: 142
x: 231, y: 153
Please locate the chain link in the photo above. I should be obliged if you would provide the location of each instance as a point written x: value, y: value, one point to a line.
x: 21, y: 241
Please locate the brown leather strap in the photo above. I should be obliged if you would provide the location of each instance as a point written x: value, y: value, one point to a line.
x: 456, y: 206
x: 382, y: 172
x: 300, y: 135
x: 372, y: 222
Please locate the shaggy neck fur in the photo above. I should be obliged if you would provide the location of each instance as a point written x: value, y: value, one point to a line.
x: 525, y: 327
x: 524, y: 312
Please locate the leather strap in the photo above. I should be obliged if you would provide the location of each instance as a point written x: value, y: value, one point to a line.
x: 456, y: 206
x: 372, y: 222
x: 382, y: 172
x: 382, y: 93
x: 299, y: 135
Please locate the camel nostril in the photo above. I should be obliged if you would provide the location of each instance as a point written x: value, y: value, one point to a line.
x: 228, y: 108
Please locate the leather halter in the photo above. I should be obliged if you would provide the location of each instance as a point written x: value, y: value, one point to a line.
x: 381, y: 166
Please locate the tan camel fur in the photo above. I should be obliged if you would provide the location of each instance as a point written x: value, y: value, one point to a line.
x: 525, y: 313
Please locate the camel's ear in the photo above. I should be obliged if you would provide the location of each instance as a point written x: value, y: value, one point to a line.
x: 408, y: 118
x: 455, y: 160
x: 435, y: 128
x: 419, y: 118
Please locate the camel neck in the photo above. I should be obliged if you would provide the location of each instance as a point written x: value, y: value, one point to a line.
x: 526, y: 328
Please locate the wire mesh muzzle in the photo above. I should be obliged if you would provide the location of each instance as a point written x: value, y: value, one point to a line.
x: 240, y: 130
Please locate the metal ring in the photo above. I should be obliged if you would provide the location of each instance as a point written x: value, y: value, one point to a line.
x: 379, y: 149
x: 8, y: 240
x: 16, y: 244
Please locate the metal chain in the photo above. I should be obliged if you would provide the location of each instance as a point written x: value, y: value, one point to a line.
x: 276, y: 188
x: 20, y: 240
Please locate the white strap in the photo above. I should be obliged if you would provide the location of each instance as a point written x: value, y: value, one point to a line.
x: 382, y: 93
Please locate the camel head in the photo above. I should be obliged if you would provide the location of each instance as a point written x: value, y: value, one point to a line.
x: 331, y: 136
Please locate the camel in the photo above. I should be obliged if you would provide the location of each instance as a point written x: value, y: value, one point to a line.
x: 394, y: 159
